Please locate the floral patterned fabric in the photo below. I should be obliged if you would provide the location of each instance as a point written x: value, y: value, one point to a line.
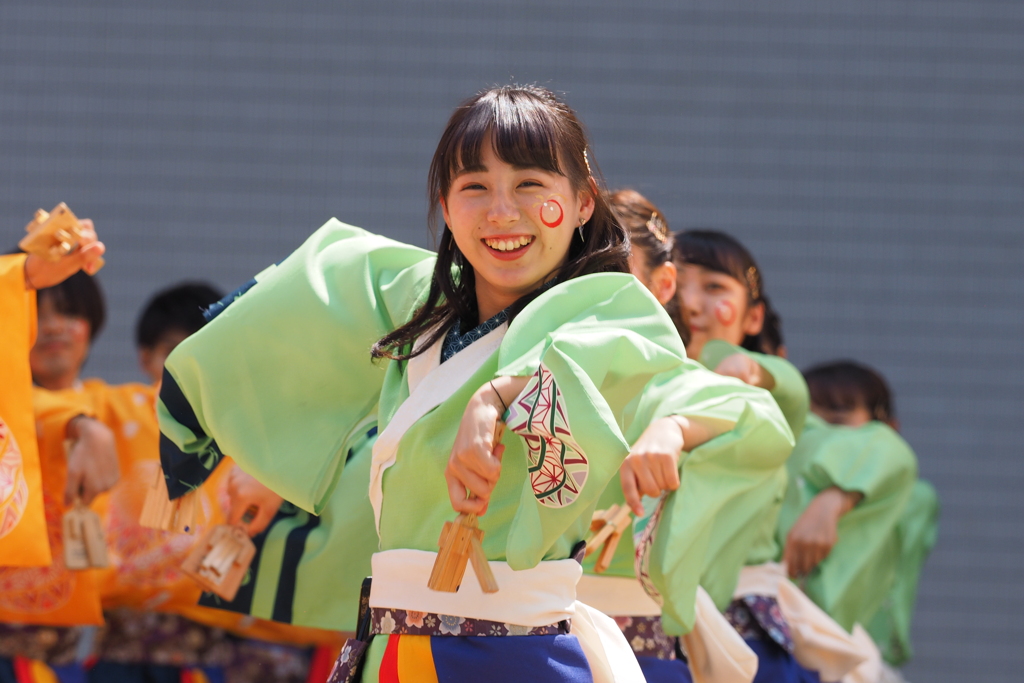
x: 757, y: 617
x: 131, y: 637
x: 346, y: 668
x: 385, y: 621
x: 54, y: 645
x: 403, y: 622
x: 158, y: 639
x: 646, y: 637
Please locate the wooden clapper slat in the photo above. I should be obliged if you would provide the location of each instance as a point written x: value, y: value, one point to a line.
x: 84, y: 545
x: 220, y: 560
x: 609, y: 525
x: 160, y: 512
x: 460, y: 543
x: 53, y: 235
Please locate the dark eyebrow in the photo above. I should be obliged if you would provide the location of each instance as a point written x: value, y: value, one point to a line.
x: 477, y: 168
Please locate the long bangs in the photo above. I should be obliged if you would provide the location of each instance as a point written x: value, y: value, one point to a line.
x: 721, y: 253
x: 712, y: 250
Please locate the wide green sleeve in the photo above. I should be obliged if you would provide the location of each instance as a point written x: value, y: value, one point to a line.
x: 282, y: 379
x: 702, y: 533
x: 917, y: 531
x: 790, y: 390
x: 852, y: 582
x: 589, y: 346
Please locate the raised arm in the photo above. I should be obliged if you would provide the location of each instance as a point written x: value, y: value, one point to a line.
x: 282, y: 377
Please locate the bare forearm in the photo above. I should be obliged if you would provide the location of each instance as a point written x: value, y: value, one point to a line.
x: 698, y: 430
x: 504, y: 390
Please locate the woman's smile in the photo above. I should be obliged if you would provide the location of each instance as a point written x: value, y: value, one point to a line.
x: 508, y: 247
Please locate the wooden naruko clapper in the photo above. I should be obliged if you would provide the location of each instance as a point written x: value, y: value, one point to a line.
x: 84, y: 545
x: 160, y: 512
x: 608, y: 526
x: 461, y: 542
x: 220, y: 560
x: 52, y: 235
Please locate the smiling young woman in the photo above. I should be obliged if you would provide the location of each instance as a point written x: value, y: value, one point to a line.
x: 526, y: 315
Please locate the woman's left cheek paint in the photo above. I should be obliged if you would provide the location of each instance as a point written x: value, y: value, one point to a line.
x: 551, y: 213
x: 725, y: 313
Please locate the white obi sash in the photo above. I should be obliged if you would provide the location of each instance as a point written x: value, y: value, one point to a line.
x: 540, y: 596
x: 820, y: 644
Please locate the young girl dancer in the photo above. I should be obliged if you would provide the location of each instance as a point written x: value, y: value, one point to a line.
x: 881, y: 545
x: 724, y: 305
x: 525, y: 313
x: 678, y: 542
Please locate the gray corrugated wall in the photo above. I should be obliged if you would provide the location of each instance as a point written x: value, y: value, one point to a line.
x: 870, y: 153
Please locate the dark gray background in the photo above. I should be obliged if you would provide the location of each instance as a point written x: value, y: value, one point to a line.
x: 870, y: 153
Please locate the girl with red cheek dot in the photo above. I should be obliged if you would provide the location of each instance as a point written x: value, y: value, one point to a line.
x: 684, y: 482
x: 733, y: 328
x: 487, y: 364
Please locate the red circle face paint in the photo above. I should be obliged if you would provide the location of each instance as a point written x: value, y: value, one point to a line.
x: 551, y: 213
x: 725, y: 312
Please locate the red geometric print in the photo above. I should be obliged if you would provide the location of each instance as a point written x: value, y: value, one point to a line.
x: 558, y: 467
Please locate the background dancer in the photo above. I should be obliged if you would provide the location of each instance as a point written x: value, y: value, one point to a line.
x: 719, y: 474
x: 854, y: 395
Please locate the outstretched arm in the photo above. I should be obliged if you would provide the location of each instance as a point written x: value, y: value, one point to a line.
x: 652, y: 465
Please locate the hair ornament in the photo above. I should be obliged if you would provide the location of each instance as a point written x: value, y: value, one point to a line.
x: 586, y: 160
x: 656, y: 224
x: 754, y: 283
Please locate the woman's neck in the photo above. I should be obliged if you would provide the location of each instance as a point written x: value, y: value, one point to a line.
x: 58, y: 381
x: 490, y: 301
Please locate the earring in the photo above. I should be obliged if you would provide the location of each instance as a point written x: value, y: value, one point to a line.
x: 580, y: 229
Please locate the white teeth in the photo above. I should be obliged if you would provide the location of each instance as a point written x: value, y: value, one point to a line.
x: 508, y: 245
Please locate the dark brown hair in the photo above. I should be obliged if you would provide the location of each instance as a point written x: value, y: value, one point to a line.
x: 530, y: 127
x: 770, y: 338
x: 723, y: 253
x: 649, y: 238
x: 846, y: 384
x: 645, y: 224
x: 79, y: 296
x: 178, y: 308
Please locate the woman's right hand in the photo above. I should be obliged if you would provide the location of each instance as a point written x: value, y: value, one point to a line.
x: 475, y: 462
x: 652, y: 465
x: 40, y: 273
x: 245, y: 491
x: 92, y: 460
